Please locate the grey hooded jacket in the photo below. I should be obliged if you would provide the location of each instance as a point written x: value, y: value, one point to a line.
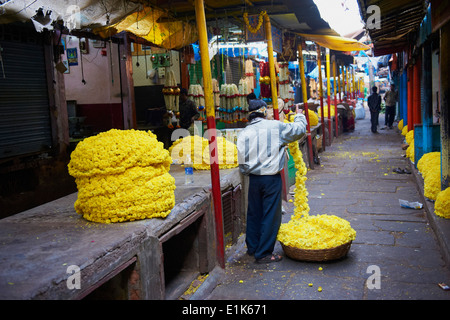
x: 262, y: 144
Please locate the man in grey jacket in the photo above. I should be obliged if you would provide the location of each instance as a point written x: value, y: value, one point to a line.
x: 261, y: 155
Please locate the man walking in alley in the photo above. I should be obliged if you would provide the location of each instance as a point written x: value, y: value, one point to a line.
x: 374, y: 103
x: 391, y: 98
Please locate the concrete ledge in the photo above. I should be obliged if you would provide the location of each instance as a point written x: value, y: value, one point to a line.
x: 440, y: 226
x: 38, y: 245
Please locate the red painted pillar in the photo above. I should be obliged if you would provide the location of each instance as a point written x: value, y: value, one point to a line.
x: 417, y: 118
x: 409, y: 118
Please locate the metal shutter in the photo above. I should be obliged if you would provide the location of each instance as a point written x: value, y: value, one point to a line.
x: 24, y: 107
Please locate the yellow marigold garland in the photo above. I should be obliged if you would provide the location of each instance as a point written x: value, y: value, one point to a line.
x: 122, y: 175
x: 260, y: 22
x: 199, y: 152
x: 442, y: 204
x: 311, y: 232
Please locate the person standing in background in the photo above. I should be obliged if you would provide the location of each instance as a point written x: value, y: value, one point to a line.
x: 374, y: 103
x: 391, y: 99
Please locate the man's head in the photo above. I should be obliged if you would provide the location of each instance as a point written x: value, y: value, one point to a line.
x: 183, y: 94
x: 374, y: 89
x: 392, y: 86
x: 251, y: 96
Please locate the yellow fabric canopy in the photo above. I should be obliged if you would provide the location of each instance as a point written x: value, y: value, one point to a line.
x: 335, y: 42
x: 174, y: 34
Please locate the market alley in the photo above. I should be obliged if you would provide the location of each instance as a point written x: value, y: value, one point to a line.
x: 355, y: 181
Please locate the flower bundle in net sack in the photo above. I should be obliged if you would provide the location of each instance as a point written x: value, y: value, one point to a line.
x: 442, y: 204
x: 122, y: 175
x: 430, y: 168
x: 311, y: 232
x: 198, y: 149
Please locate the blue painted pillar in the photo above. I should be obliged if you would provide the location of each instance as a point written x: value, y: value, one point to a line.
x: 404, y: 96
x: 400, y: 96
x: 427, y: 98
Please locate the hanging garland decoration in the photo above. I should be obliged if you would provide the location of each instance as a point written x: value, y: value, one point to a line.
x: 284, y: 85
x: 264, y: 79
x: 258, y: 26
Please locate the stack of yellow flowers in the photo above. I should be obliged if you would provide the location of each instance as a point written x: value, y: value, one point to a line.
x: 122, y: 175
x: 313, y: 118
x: 311, y: 232
x: 400, y: 125
x: 430, y: 168
x: 442, y: 204
x: 198, y: 149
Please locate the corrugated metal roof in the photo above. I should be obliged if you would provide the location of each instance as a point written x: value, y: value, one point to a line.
x: 398, y: 18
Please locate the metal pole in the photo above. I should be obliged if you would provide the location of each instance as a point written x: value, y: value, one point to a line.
x: 273, y: 79
x: 211, y: 124
x: 305, y: 104
x: 328, y: 93
x: 335, y: 97
x: 319, y: 67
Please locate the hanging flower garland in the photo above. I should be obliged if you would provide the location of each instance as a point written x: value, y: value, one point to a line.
x: 258, y: 26
x: 311, y: 232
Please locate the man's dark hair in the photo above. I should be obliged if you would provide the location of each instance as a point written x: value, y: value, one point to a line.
x: 374, y: 89
x: 251, y: 96
x: 183, y: 91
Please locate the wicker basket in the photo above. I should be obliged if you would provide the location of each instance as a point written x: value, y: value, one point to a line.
x: 317, y: 255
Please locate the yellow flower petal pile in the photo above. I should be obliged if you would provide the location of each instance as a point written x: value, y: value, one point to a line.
x: 313, y: 118
x: 316, y: 232
x: 430, y: 168
x: 122, y: 175
x: 198, y: 147
x: 400, y: 125
x: 442, y: 204
x: 311, y: 232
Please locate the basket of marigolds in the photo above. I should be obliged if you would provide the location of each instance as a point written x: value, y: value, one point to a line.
x: 316, y: 238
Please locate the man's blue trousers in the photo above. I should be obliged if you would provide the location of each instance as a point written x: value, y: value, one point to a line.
x: 263, y: 214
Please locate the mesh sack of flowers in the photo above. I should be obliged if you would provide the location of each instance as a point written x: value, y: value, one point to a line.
x: 428, y: 161
x: 429, y: 166
x: 198, y: 149
x: 313, y: 118
x: 442, y: 204
x: 311, y: 232
x: 409, y: 137
x: 410, y: 151
x: 325, y: 111
x: 122, y: 175
x: 400, y: 125
x: 405, y: 130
